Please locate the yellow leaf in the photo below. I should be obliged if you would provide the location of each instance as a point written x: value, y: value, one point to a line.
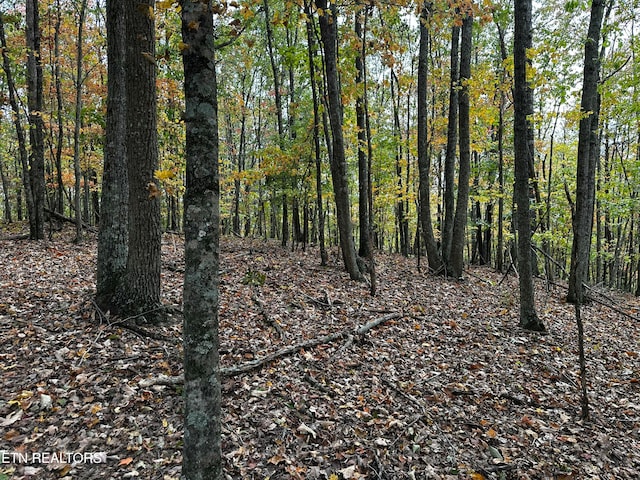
x: 491, y: 433
x: 164, y: 174
x: 477, y: 476
x: 183, y: 46
x: 333, y: 476
x: 95, y: 409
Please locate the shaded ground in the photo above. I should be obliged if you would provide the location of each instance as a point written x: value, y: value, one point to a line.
x: 450, y: 389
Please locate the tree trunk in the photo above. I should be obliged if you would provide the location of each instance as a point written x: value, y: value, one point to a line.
x: 36, y: 123
x: 113, y: 232
x: 456, y: 255
x: 202, y: 456
x: 424, y: 161
x: 328, y: 31
x: 78, y: 122
x: 523, y: 109
x: 316, y: 132
x: 588, y: 152
x: 450, y: 156
x: 6, y: 194
x: 363, y: 161
x: 59, y: 202
x: 141, y: 293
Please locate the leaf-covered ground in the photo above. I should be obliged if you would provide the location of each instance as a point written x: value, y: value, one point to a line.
x: 450, y: 388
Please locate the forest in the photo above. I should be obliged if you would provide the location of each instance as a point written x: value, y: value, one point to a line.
x: 312, y: 209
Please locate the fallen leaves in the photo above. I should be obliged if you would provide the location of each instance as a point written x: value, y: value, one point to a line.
x: 444, y: 386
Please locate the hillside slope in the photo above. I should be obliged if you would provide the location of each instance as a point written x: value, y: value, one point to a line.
x: 447, y: 387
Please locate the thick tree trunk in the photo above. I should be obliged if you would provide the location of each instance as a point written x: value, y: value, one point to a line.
x: 588, y: 151
x: 36, y: 122
x: 424, y: 161
x: 202, y: 457
x: 328, y: 31
x: 523, y: 109
x: 113, y: 233
x: 141, y: 293
x: 458, y: 237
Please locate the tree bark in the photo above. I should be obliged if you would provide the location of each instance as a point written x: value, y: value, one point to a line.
x: 36, y: 123
x: 450, y: 155
x: 424, y: 161
x: 202, y: 457
x: 113, y: 233
x: 6, y: 193
x: 78, y: 122
x: 523, y: 108
x: 22, y: 141
x: 458, y: 237
x: 328, y: 31
x: 588, y: 151
x: 141, y: 293
x: 59, y: 197
x: 363, y: 161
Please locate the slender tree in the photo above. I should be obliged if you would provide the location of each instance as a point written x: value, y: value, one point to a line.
x: 363, y: 162
x: 329, y: 31
x: 17, y: 122
x: 78, y: 120
x: 424, y: 160
x: 202, y: 458
x: 523, y: 109
x: 450, y: 155
x: 458, y: 237
x: 588, y: 153
x: 316, y: 130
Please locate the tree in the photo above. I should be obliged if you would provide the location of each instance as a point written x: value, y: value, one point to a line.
x: 78, y: 121
x: 328, y: 31
x: 113, y: 232
x: 588, y: 153
x: 36, y: 124
x: 141, y: 288
x: 311, y: 54
x: 17, y: 122
x: 450, y: 156
x: 424, y: 160
x: 523, y: 108
x: 361, y: 16
x: 202, y: 458
x: 456, y: 253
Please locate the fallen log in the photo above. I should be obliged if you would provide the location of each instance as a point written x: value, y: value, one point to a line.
x: 283, y: 352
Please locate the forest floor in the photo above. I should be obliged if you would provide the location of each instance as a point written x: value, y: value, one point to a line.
x: 447, y: 387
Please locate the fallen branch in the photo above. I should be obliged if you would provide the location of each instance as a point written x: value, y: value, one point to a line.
x: 283, y: 352
x: 22, y: 236
x: 63, y: 218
